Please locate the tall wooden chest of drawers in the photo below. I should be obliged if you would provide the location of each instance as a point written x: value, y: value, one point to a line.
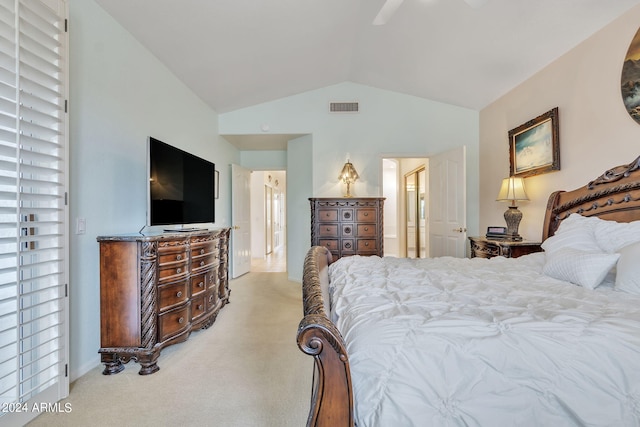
x: 347, y: 226
x: 155, y: 289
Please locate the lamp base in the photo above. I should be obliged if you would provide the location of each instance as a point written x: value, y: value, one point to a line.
x: 512, y: 216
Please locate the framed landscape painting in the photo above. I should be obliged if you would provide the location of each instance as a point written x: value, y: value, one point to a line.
x: 534, y: 146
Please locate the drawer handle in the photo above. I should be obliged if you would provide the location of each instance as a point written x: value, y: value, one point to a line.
x: 201, y: 251
x: 328, y: 229
x: 201, y: 285
x: 179, y: 257
x: 200, y: 307
x: 347, y: 215
x: 347, y: 245
x: 181, y: 320
x: 366, y: 243
x: 327, y: 215
x: 201, y: 263
x: 179, y: 294
x: 366, y: 229
x: 178, y: 270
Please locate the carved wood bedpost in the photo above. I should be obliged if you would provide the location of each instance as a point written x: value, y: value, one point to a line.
x: 332, y: 395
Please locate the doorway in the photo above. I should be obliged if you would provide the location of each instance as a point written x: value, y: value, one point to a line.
x: 443, y: 200
x: 268, y: 222
x: 405, y: 188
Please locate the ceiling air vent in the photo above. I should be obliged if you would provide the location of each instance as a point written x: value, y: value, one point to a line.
x: 343, y: 107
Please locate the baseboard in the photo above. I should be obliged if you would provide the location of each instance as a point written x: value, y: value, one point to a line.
x: 77, y: 373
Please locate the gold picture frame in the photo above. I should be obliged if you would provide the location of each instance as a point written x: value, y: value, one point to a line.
x: 534, y: 146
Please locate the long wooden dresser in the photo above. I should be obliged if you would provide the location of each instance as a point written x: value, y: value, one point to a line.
x: 157, y: 288
x: 348, y: 226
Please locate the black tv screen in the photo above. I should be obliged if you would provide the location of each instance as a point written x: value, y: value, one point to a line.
x: 181, y: 186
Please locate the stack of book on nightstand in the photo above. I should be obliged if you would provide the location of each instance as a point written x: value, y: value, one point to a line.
x: 494, y: 236
x: 500, y: 233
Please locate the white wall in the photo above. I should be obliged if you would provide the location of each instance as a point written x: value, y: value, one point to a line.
x: 596, y: 133
x: 299, y: 184
x: 264, y: 160
x: 119, y: 96
x: 389, y: 124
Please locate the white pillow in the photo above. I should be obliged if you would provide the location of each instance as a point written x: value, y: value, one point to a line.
x: 583, y: 268
x: 576, y: 231
x: 628, y: 270
x: 612, y: 236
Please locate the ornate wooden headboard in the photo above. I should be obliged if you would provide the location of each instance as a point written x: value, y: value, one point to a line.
x: 614, y: 195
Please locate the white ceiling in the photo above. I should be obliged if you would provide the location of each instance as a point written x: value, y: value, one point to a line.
x: 238, y: 53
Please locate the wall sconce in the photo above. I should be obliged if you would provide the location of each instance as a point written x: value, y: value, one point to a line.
x: 348, y: 176
x: 512, y: 190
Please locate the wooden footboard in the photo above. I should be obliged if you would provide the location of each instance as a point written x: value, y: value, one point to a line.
x: 332, y: 395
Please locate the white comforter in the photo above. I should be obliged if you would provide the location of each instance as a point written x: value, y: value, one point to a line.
x: 485, y: 342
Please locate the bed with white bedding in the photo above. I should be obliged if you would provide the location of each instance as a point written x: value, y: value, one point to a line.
x: 484, y: 342
x: 551, y: 338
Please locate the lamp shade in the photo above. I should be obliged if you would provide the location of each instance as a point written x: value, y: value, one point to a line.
x: 512, y: 189
x: 348, y: 174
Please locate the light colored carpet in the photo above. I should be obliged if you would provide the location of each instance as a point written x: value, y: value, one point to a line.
x: 246, y: 370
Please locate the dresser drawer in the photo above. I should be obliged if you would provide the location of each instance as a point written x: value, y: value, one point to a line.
x: 172, y: 251
x: 198, y: 284
x: 348, y: 245
x: 173, y: 322
x: 347, y: 230
x: 366, y: 215
x: 212, y: 299
x: 172, y: 271
x: 172, y: 295
x: 346, y: 214
x: 171, y: 256
x: 327, y: 230
x: 204, y: 249
x: 367, y: 245
x: 327, y: 215
x: 366, y: 230
x: 202, y: 262
x: 198, y: 307
x: 330, y: 244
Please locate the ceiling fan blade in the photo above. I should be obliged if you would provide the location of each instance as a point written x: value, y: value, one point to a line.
x: 475, y: 3
x: 387, y: 11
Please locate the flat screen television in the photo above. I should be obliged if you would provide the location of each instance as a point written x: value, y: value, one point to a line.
x: 181, y: 186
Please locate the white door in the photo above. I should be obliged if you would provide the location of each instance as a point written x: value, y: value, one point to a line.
x: 447, y: 207
x: 240, y: 220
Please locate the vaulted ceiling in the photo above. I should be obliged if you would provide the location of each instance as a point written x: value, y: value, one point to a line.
x: 238, y: 53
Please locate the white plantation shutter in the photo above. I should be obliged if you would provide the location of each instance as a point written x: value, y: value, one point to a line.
x: 33, y: 208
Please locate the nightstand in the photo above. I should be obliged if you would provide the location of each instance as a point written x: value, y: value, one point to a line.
x: 482, y: 247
